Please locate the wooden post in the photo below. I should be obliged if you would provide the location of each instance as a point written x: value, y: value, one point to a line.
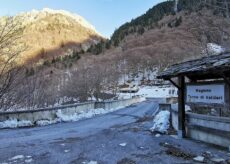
x: 181, y: 107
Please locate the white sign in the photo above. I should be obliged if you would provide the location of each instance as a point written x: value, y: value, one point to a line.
x: 209, y: 94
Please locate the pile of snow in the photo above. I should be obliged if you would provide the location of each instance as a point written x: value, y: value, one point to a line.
x: 13, y: 123
x: 83, y: 114
x: 161, y: 122
x: 214, y: 49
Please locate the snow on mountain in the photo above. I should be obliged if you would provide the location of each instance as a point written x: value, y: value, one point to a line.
x: 36, y: 15
x: 55, y: 32
x: 214, y: 49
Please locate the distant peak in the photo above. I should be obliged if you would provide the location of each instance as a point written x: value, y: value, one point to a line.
x: 34, y: 15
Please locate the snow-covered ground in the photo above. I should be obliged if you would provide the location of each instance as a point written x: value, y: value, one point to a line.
x: 152, y: 92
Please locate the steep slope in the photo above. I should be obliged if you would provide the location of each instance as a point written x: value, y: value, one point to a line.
x: 167, y: 34
x: 54, y: 32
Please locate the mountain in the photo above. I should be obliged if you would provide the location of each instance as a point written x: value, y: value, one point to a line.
x: 172, y: 32
x: 51, y: 33
x: 151, y: 19
x: 137, y: 51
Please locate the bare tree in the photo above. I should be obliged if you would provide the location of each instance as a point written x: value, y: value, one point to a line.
x: 11, y: 31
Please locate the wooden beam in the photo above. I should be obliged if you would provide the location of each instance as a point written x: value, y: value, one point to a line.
x: 181, y: 107
x: 226, y: 79
x: 173, y: 83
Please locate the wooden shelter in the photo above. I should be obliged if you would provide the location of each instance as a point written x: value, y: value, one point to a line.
x: 208, y: 69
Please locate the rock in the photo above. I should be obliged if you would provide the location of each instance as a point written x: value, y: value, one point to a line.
x: 217, y: 160
x: 157, y: 135
x: 199, y: 159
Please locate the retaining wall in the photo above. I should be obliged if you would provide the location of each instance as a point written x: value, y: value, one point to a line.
x: 50, y: 113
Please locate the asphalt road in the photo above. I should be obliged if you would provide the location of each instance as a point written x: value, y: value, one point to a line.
x: 120, y: 137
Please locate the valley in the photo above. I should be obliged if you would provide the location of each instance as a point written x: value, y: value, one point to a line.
x: 68, y: 60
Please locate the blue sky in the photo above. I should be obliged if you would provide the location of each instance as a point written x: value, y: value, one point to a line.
x: 105, y: 15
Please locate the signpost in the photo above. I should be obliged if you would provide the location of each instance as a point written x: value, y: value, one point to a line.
x: 205, y: 93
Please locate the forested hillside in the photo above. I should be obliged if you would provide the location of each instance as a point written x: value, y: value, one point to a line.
x: 151, y: 18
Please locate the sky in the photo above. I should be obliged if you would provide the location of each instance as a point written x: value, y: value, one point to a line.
x: 105, y: 15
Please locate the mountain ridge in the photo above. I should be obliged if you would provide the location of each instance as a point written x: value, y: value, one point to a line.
x: 35, y: 15
x: 49, y: 29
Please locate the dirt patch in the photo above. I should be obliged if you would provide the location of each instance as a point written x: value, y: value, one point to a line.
x: 172, y: 150
x: 126, y: 161
x: 148, y: 155
x: 176, y: 152
x: 67, y: 140
x: 72, y: 139
x: 134, y: 129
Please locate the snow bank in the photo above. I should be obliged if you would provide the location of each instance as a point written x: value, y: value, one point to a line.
x: 15, y: 123
x: 84, y: 114
x: 46, y: 122
x: 161, y: 122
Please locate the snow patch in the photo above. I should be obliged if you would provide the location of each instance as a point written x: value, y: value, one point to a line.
x: 45, y: 122
x: 123, y: 144
x: 161, y: 122
x: 214, y: 49
x: 13, y: 123
x: 28, y: 160
x: 157, y: 135
x: 17, y: 157
x: 66, y: 151
x: 83, y: 114
x: 152, y: 92
x: 36, y: 15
